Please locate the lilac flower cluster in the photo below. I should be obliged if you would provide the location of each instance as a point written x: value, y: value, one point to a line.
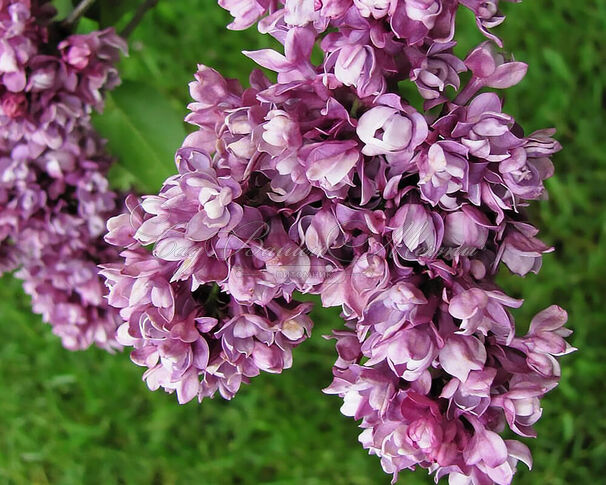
x: 329, y: 182
x: 194, y: 338
x: 54, y: 195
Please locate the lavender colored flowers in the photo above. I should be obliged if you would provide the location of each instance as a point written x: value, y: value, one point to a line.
x: 54, y: 196
x: 329, y: 182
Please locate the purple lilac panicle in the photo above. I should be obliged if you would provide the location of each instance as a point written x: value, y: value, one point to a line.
x: 329, y: 182
x: 193, y: 338
x: 54, y: 194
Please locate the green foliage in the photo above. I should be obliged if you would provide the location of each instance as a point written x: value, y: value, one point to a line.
x: 75, y: 418
x: 143, y: 132
x: 178, y: 35
x: 63, y: 7
x: 112, y: 12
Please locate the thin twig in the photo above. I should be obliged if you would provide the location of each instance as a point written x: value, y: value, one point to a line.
x: 139, y: 14
x: 80, y: 9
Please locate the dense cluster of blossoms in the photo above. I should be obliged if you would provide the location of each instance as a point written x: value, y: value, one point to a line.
x: 54, y: 195
x: 194, y: 339
x: 329, y: 182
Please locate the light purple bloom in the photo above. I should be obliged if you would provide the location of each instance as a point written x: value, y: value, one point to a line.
x: 194, y: 343
x: 54, y: 194
x: 329, y: 182
x: 443, y: 171
x: 387, y: 130
x: 435, y: 70
x: 468, y: 228
x: 245, y: 12
x: 417, y: 232
x: 329, y: 164
x: 375, y: 8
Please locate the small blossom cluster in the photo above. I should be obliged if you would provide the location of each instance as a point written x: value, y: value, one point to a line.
x: 436, y: 378
x: 193, y: 337
x: 329, y: 182
x: 54, y: 194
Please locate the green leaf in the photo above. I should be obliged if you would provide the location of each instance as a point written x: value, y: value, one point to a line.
x: 143, y: 131
x: 63, y: 7
x: 111, y: 11
x: 86, y: 26
x: 121, y: 179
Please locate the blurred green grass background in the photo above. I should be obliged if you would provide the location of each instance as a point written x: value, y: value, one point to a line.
x: 75, y: 418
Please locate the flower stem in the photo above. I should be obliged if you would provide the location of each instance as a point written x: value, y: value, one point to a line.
x: 139, y: 14
x: 80, y: 9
